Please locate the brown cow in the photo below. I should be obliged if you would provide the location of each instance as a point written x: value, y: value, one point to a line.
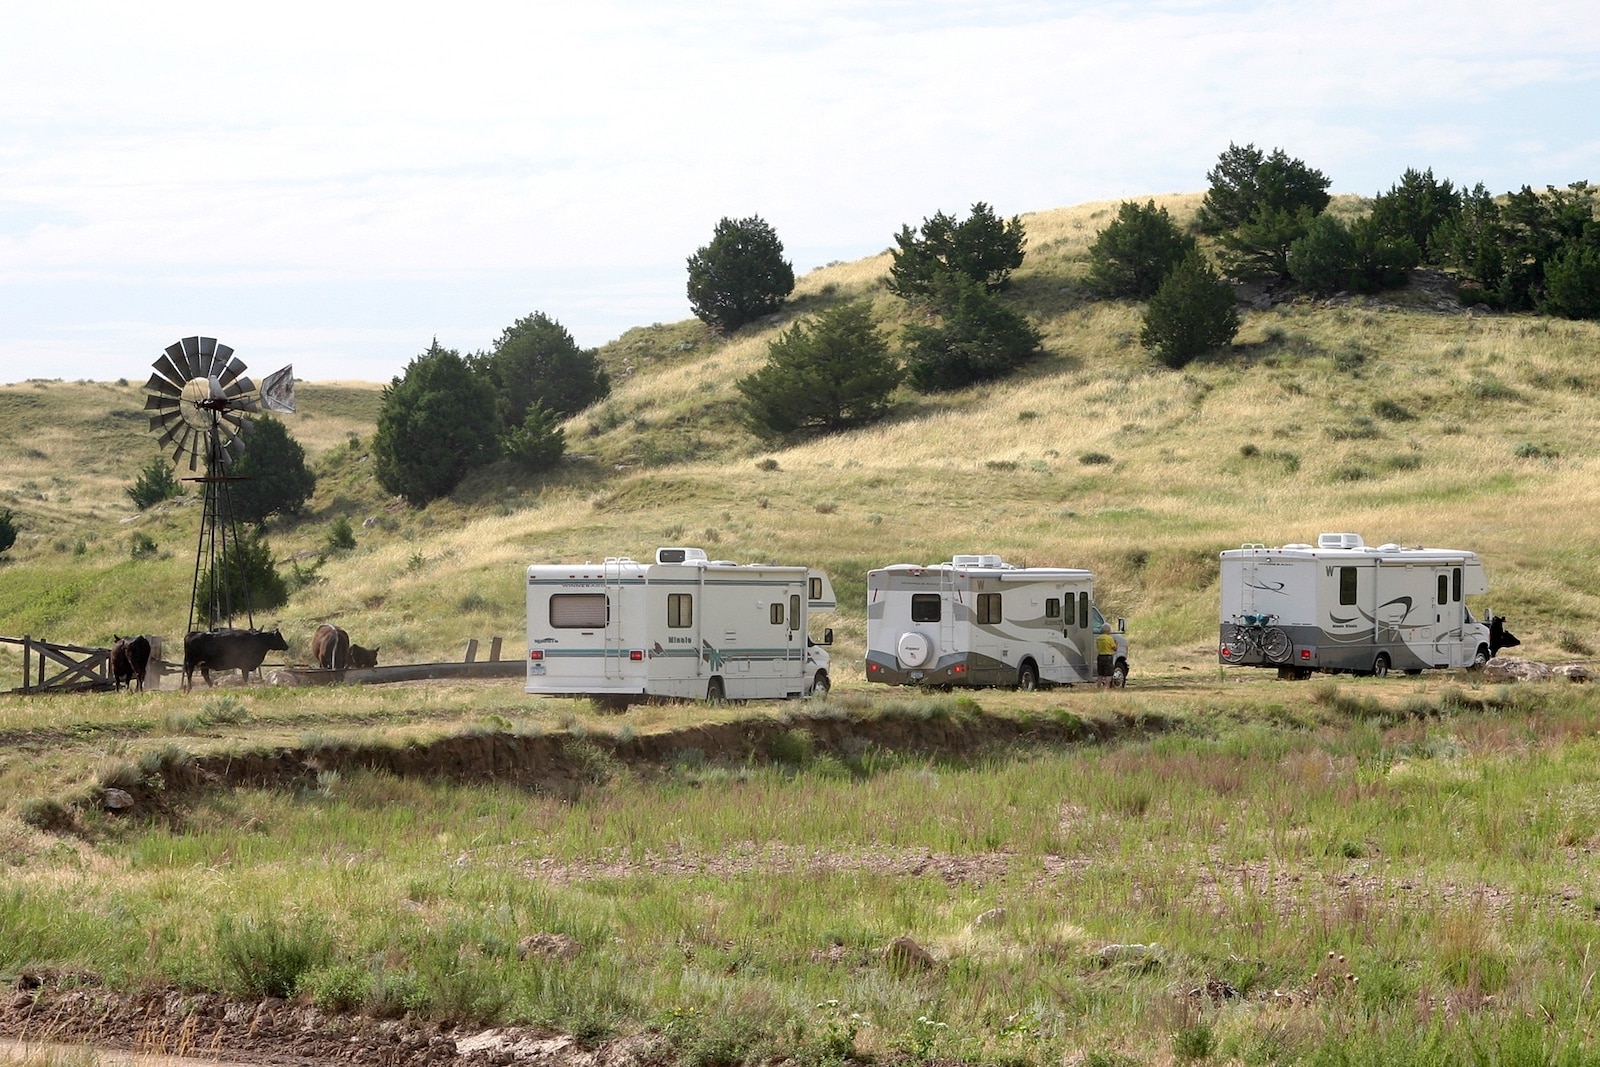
x: 363, y: 658
x: 330, y: 647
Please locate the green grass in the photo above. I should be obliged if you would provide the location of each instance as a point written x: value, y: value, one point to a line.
x: 1440, y: 851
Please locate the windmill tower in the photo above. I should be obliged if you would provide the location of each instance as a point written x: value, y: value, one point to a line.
x: 199, y: 402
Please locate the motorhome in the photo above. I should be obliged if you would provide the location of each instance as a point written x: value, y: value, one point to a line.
x: 1344, y: 605
x: 979, y: 621
x: 683, y: 626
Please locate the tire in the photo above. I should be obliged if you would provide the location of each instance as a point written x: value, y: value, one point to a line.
x: 715, y: 693
x: 913, y: 649
x: 1479, y: 659
x: 1028, y: 677
x: 819, y: 687
x: 1235, y: 644
x: 1380, y: 666
x: 1119, y: 675
x: 1276, y: 644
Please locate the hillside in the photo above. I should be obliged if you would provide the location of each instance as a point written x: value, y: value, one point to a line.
x: 1403, y: 417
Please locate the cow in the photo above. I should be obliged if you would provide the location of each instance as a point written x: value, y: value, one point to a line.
x: 1499, y: 636
x: 363, y: 658
x: 130, y: 658
x: 330, y: 647
x: 226, y: 650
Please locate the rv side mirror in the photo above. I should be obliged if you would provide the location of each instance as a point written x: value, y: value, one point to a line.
x: 827, y: 636
x: 1122, y: 626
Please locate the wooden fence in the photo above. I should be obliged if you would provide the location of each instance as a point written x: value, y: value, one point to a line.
x: 76, y: 669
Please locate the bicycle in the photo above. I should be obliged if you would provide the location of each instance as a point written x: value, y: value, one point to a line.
x: 1248, y: 636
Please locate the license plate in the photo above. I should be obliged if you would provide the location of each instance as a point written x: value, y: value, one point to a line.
x: 916, y: 676
x: 536, y: 668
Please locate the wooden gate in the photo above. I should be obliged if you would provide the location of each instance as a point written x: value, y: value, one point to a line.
x: 76, y: 669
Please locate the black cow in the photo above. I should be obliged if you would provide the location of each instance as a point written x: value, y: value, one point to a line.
x: 1499, y: 636
x: 226, y: 650
x: 363, y: 659
x: 130, y: 658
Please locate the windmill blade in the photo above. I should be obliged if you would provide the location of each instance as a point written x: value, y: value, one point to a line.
x: 158, y: 384
x: 165, y: 421
x: 230, y: 425
x: 161, y: 403
x: 191, y: 356
x: 277, y: 390
x: 172, y: 432
x: 174, y: 370
x: 234, y: 368
x: 178, y: 362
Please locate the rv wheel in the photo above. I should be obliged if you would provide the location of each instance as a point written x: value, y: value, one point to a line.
x: 1479, y: 659
x: 1380, y: 666
x: 715, y: 694
x: 1028, y: 677
x: 819, y: 688
x: 1119, y: 675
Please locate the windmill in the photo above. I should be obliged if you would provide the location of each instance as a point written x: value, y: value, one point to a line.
x: 200, y: 402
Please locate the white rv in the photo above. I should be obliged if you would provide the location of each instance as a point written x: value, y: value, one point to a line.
x: 683, y: 626
x: 1343, y: 605
x: 980, y: 621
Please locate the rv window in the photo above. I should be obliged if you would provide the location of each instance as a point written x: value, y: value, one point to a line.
x: 1347, y: 585
x: 1444, y: 589
x: 578, y: 611
x: 794, y: 612
x: 1455, y: 585
x: 1083, y: 609
x: 924, y: 607
x: 775, y: 615
x: 1052, y: 608
x: 815, y: 592
x: 680, y: 610
x: 988, y: 608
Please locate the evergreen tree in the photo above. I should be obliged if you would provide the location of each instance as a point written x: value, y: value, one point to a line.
x: 1572, y: 281
x: 8, y: 530
x: 827, y: 374
x: 538, y: 443
x: 250, y: 560
x: 740, y: 276
x: 154, y: 484
x: 1193, y: 313
x: 437, y: 423
x: 536, y: 361
x: 1131, y: 256
x: 273, y: 478
x: 1245, y: 182
x: 982, y: 248
x: 1322, y: 260
x: 1416, y: 207
x: 977, y: 339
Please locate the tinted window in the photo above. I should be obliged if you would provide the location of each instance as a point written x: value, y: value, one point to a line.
x: 794, y: 612
x: 1444, y: 589
x: 680, y: 610
x: 1455, y: 585
x: 1052, y: 608
x: 775, y: 615
x: 924, y: 607
x: 988, y: 608
x: 1083, y: 609
x: 1347, y: 585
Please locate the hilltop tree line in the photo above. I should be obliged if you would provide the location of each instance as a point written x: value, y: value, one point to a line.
x: 1264, y: 220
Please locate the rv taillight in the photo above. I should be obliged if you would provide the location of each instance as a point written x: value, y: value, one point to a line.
x: 1305, y: 653
x: 959, y: 668
x: 536, y: 653
x: 873, y: 667
x: 636, y: 655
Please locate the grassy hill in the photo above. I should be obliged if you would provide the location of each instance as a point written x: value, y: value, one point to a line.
x: 1404, y: 417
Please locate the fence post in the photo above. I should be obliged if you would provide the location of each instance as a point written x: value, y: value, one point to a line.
x: 472, y: 649
x: 27, y: 662
x: 494, y: 650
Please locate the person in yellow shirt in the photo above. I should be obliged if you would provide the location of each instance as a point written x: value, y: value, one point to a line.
x: 1105, y: 654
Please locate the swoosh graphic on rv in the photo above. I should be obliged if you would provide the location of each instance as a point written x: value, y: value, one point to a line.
x: 1373, y: 618
x: 1266, y: 587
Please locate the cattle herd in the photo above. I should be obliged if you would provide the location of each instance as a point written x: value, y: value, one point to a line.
x: 234, y: 649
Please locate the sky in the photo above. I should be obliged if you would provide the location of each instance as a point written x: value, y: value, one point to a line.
x: 335, y: 185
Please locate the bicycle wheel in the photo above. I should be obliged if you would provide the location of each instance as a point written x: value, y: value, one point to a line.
x: 1236, y: 643
x: 1276, y: 644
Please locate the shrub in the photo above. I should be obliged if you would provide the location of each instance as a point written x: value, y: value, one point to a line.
x: 978, y: 339
x: 154, y: 484
x: 272, y: 472
x: 1136, y: 251
x: 982, y: 249
x: 248, y: 579
x: 539, y: 443
x: 740, y: 276
x: 437, y: 422
x: 267, y: 958
x: 1193, y: 313
x: 8, y: 530
x: 830, y: 373
x: 535, y: 362
x: 1093, y: 459
x: 341, y: 536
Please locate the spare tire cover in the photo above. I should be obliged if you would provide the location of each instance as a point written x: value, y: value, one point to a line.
x: 913, y: 649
